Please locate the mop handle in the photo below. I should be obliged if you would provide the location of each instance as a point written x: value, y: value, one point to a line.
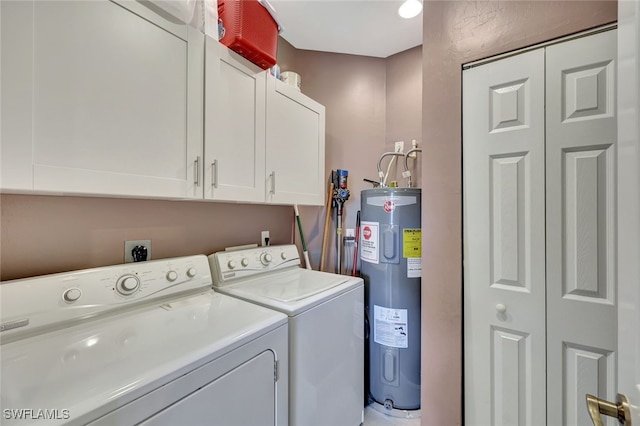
x: 304, y: 245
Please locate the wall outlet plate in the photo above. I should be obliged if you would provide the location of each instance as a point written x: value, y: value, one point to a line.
x: 129, y: 246
x: 264, y: 238
x: 399, y: 146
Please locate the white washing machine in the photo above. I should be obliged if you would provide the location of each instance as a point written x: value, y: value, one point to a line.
x: 145, y: 343
x: 326, y: 337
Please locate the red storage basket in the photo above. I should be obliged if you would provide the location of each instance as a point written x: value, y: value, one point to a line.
x: 247, y: 27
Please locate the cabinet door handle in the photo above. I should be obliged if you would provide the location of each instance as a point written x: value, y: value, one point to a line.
x: 196, y: 171
x: 214, y: 174
x: 273, y: 183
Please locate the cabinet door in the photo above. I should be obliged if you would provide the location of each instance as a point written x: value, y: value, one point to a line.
x: 234, y: 126
x: 105, y: 98
x: 295, y: 146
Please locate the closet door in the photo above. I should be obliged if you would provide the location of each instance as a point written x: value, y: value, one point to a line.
x: 504, y: 279
x: 581, y: 259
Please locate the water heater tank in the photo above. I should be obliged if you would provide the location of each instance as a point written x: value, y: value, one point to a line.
x: 390, y: 254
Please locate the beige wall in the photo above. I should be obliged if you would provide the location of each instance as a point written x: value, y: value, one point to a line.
x: 457, y: 32
x: 48, y: 234
x: 370, y: 103
x: 404, y: 110
x: 353, y: 91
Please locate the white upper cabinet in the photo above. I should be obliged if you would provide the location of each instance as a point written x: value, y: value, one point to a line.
x: 100, y: 97
x: 234, y: 126
x: 295, y: 146
x: 118, y: 98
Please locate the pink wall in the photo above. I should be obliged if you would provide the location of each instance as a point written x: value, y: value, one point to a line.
x: 404, y: 110
x: 370, y: 103
x: 353, y: 91
x: 47, y: 234
x: 457, y: 32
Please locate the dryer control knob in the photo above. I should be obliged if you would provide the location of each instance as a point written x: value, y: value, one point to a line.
x: 283, y: 255
x: 231, y: 264
x: 191, y: 272
x: 172, y: 276
x: 244, y: 262
x: 127, y: 284
x: 266, y: 258
x: 71, y: 295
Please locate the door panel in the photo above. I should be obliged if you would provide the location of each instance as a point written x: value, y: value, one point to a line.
x: 580, y: 172
x: 115, y: 112
x: 586, y: 369
x: 234, y: 126
x: 504, y: 291
x: 508, y: 182
x: 243, y: 396
x: 104, y: 98
x: 511, y: 371
x: 295, y: 146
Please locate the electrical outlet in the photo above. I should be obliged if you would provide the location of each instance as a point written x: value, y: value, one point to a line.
x: 264, y: 238
x: 351, y: 232
x: 399, y: 147
x: 130, y: 245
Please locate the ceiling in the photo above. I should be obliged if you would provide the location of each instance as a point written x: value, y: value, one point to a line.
x: 357, y: 27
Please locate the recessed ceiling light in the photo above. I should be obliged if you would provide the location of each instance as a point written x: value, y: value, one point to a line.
x: 410, y: 9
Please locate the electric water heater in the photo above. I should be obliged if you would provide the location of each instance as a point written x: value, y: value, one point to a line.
x: 390, y: 255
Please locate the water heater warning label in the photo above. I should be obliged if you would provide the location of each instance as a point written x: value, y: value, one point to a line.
x: 390, y: 327
x: 411, y: 243
x: 369, y: 242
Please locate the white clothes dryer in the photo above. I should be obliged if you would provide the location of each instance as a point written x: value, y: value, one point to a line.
x: 146, y: 343
x: 326, y: 328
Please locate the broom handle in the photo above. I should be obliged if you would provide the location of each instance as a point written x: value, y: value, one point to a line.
x: 326, y: 226
x: 304, y: 244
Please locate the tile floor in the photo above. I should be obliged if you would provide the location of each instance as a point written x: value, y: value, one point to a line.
x: 375, y: 418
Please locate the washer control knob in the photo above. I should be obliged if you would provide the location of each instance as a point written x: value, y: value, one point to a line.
x: 127, y: 284
x: 231, y: 264
x: 192, y: 272
x: 172, y: 276
x: 266, y: 258
x: 71, y: 295
x: 283, y: 255
x: 244, y: 262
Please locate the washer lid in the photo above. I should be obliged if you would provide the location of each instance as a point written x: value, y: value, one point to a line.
x: 293, y: 290
x: 94, y: 367
x: 296, y: 285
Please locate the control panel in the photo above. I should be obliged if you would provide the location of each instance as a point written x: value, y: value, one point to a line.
x: 231, y: 265
x: 31, y: 303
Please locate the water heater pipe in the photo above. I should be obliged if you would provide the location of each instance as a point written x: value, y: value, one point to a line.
x: 407, y: 173
x: 381, y: 174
